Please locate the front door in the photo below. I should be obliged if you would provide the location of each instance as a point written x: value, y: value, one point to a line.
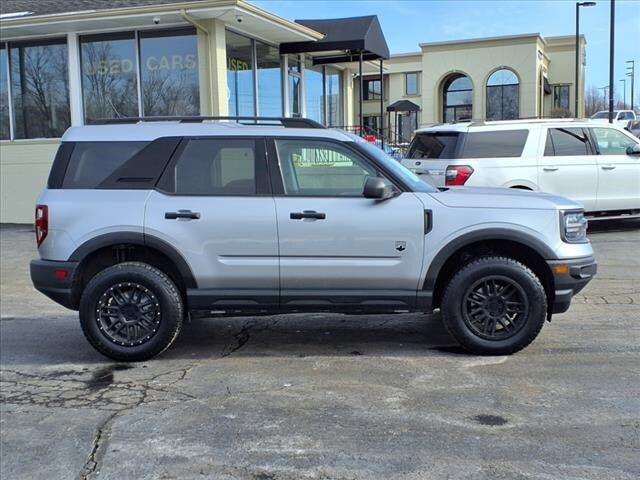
x: 338, y: 248
x: 213, y: 204
x: 618, y: 173
x: 568, y: 167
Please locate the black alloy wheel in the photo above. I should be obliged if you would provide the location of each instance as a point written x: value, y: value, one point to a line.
x: 495, y: 307
x: 128, y: 314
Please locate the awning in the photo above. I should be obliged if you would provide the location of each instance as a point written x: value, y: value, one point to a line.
x: 403, y: 106
x: 344, y: 39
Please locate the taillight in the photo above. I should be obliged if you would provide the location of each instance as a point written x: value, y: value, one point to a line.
x: 42, y: 223
x: 457, y: 174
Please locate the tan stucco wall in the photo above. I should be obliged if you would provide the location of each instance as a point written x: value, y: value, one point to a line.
x: 478, y: 60
x: 527, y: 55
x: 562, y: 57
x: 24, y: 169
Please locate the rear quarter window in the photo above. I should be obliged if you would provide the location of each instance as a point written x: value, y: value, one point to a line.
x: 92, y: 162
x: 499, y: 144
x: 434, y: 145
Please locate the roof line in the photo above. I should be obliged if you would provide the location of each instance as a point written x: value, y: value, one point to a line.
x: 170, y: 7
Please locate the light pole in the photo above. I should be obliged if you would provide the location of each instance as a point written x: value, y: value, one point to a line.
x: 576, y: 94
x: 612, y: 34
x: 632, y: 73
x: 624, y: 93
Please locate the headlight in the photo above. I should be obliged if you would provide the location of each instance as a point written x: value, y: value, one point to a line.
x: 573, y: 226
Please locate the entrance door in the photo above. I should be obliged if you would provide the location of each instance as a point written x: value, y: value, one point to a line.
x: 215, y: 208
x: 337, y: 247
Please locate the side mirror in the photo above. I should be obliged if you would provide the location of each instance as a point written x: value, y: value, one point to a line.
x: 634, y: 150
x: 377, y: 188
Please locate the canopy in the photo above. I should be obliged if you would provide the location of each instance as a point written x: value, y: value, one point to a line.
x: 403, y: 106
x: 344, y: 37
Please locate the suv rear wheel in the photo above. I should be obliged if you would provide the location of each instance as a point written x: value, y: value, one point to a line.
x: 494, y: 306
x: 131, y: 312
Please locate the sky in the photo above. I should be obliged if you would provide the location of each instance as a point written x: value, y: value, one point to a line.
x: 406, y: 23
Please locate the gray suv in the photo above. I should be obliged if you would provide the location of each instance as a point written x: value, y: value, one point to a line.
x: 142, y: 223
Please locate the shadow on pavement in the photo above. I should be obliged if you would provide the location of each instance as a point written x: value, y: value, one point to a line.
x: 59, y: 340
x: 609, y: 226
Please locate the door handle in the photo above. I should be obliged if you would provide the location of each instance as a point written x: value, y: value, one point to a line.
x: 186, y: 214
x: 608, y: 167
x: 550, y: 169
x: 307, y: 214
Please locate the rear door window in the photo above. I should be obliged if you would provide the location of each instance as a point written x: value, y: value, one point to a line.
x: 216, y: 166
x: 434, y: 145
x: 498, y: 144
x: 563, y: 142
x: 92, y: 162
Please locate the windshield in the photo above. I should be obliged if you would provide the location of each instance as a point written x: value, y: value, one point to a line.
x: 603, y: 114
x: 415, y: 183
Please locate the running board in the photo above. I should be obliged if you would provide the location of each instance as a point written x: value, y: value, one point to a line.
x: 613, y: 217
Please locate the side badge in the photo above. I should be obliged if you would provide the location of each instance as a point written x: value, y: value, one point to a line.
x: 401, y: 245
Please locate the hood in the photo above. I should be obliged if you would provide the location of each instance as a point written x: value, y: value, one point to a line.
x: 480, y: 197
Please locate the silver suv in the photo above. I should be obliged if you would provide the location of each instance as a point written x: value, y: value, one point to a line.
x: 144, y: 222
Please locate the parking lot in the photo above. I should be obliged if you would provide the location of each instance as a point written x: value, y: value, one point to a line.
x: 326, y: 396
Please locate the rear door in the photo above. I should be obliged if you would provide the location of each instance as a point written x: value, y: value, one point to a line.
x: 338, y: 248
x: 618, y: 173
x: 213, y: 204
x: 567, y: 165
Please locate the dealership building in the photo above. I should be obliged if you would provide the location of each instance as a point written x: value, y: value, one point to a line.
x: 65, y: 63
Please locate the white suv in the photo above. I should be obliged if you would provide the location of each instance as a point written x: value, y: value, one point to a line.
x: 595, y: 165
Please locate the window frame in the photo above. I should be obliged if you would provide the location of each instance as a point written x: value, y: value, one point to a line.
x: 26, y: 43
x: 501, y: 88
x: 365, y: 89
x: 560, y: 86
x: 406, y: 89
x: 277, y: 177
x: 261, y: 167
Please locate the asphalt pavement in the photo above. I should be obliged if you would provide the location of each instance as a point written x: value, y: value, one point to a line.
x: 325, y: 396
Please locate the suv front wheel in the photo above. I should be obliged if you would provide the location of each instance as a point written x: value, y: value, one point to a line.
x: 131, y: 312
x: 494, y: 306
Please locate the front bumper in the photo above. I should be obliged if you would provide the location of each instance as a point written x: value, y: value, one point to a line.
x: 47, y: 278
x: 570, y: 276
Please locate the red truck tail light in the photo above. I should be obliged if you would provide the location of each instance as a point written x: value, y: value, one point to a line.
x: 41, y: 223
x: 457, y: 174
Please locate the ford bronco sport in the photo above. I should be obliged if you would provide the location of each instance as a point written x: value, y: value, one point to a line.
x: 144, y: 222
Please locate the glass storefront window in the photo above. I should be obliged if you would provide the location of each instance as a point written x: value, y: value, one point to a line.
x: 240, y: 75
x: 5, y: 130
x: 109, y: 78
x: 40, y: 88
x: 294, y: 77
x: 169, y: 72
x: 269, y: 81
x: 333, y: 85
x: 313, y: 92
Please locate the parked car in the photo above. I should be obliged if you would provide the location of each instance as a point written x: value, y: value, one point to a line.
x: 634, y: 127
x: 620, y: 117
x: 595, y: 165
x: 142, y: 223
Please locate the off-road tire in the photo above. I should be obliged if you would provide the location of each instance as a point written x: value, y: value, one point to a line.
x: 456, y: 311
x: 157, y: 288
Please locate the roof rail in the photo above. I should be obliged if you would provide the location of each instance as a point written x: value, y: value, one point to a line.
x: 287, y: 122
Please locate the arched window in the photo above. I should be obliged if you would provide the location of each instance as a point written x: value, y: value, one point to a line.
x: 457, y: 98
x: 503, y: 95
